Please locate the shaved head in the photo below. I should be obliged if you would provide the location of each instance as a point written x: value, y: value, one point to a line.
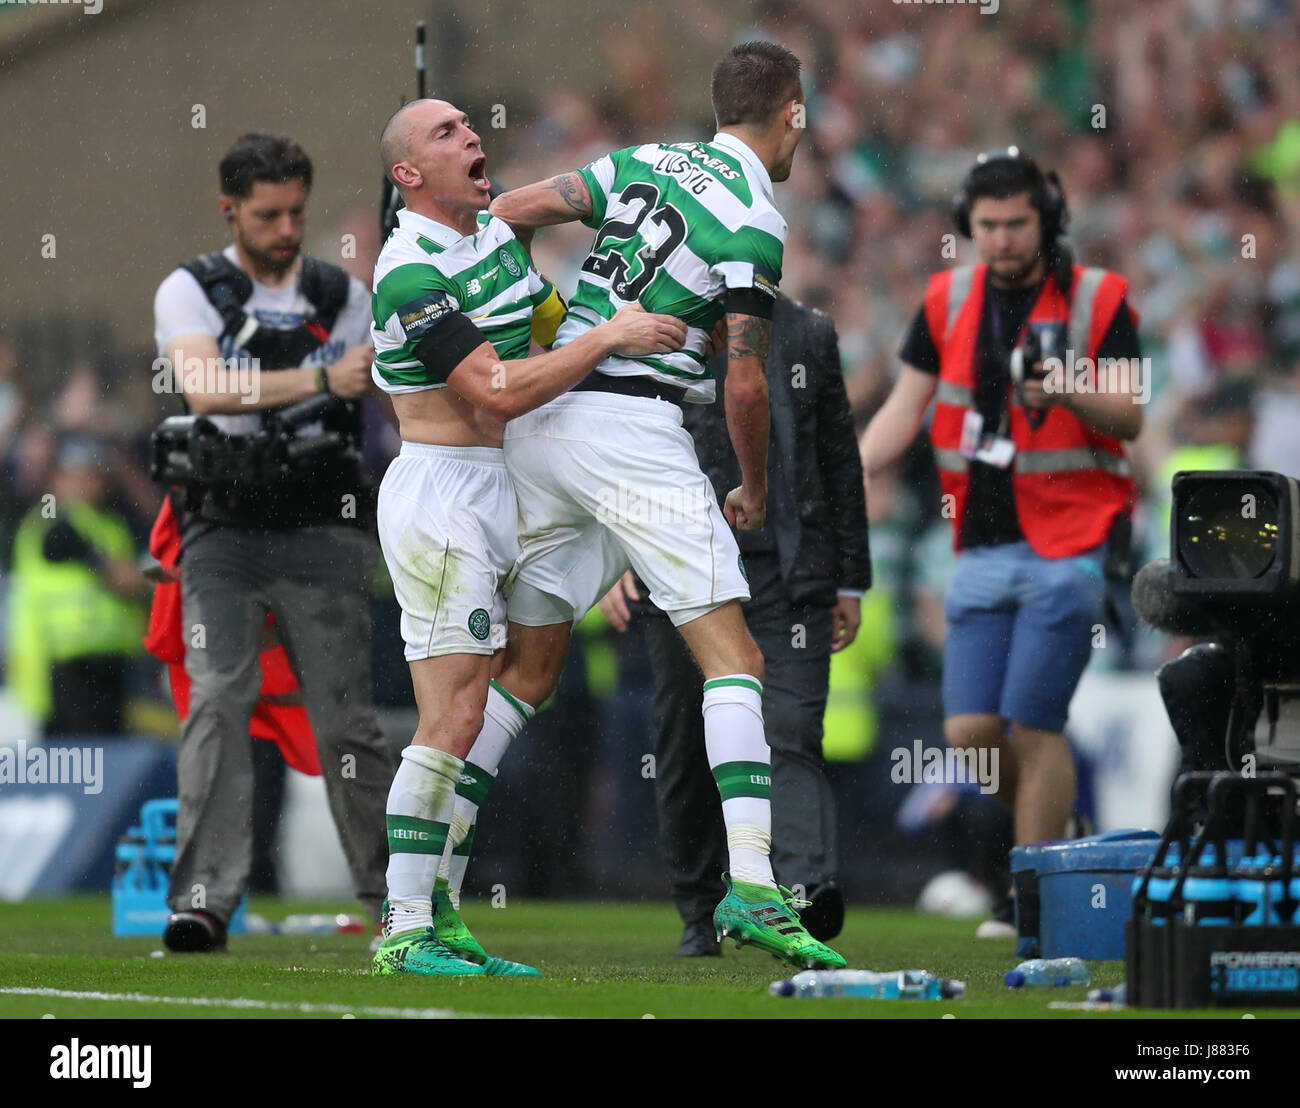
x: 395, y: 141
x: 431, y: 153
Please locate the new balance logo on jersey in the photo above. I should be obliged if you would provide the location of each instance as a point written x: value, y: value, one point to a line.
x: 475, y: 284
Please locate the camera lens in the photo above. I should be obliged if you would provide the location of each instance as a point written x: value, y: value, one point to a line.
x: 1229, y: 530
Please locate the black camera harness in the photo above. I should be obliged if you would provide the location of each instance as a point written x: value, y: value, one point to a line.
x: 262, y: 480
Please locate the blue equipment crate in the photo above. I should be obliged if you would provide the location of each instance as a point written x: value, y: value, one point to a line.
x: 1074, y: 898
x: 144, y: 859
x: 1214, y: 921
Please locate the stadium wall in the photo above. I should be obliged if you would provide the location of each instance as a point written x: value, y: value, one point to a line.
x: 102, y: 115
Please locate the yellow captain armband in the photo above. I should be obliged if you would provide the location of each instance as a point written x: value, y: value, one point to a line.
x: 547, y: 317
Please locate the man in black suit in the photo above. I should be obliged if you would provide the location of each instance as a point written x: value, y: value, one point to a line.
x: 808, y: 568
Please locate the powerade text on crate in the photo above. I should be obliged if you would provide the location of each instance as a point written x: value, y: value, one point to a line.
x: 1215, y: 919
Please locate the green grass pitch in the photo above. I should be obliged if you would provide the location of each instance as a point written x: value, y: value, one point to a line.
x: 600, y: 959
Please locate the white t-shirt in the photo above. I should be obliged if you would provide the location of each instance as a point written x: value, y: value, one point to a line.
x: 180, y: 307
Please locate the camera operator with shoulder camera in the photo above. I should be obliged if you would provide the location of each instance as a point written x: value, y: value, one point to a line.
x: 270, y: 349
x: 1028, y: 442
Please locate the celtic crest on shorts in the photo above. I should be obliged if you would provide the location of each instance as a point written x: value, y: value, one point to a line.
x: 480, y: 623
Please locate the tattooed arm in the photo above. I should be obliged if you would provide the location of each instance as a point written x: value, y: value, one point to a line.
x: 749, y: 338
x: 562, y: 199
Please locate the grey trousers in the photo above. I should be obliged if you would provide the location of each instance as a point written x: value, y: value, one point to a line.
x: 692, y: 835
x: 316, y: 582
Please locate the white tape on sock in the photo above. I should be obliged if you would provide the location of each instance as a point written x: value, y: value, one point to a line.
x: 459, y: 828
x: 749, y: 848
x: 437, y: 761
x: 745, y: 836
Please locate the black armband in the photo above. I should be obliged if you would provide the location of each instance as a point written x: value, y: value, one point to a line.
x: 448, y: 344
x: 748, y: 302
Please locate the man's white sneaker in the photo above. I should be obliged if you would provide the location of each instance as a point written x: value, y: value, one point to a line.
x: 996, y: 929
x: 1003, y: 923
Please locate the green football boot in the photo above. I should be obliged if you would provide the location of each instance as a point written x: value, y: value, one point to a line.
x: 457, y: 938
x: 419, y: 952
x: 452, y: 932
x: 765, y: 918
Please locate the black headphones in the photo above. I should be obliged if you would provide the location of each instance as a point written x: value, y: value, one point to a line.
x: 1046, y: 193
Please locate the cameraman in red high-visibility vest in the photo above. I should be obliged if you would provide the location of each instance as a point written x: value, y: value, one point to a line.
x: 1028, y: 440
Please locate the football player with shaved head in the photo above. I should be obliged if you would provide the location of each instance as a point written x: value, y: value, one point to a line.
x: 457, y: 304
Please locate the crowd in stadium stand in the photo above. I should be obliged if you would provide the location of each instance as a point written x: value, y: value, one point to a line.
x: 1175, y: 127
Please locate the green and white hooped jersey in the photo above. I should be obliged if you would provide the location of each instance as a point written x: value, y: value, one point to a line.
x: 678, y: 226
x: 427, y: 271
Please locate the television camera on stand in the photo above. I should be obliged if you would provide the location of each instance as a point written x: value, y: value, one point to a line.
x: 1233, y: 580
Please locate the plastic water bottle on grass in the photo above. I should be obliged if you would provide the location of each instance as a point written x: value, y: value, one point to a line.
x: 1049, y: 973
x: 1117, y: 995
x: 323, y: 924
x: 897, y: 985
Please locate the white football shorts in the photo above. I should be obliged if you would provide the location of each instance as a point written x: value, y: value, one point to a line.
x: 448, y: 526
x: 606, y: 483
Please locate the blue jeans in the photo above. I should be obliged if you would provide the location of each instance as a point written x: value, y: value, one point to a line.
x: 1020, y: 632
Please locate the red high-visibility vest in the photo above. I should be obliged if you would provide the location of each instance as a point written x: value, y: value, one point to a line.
x: 284, y: 724
x: 1069, y: 480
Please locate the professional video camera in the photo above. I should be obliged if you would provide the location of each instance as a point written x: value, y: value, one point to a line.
x: 1037, y: 346
x: 214, y: 466
x: 1233, y: 578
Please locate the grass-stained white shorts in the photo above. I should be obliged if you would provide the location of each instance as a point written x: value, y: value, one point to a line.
x: 605, y: 483
x: 448, y: 526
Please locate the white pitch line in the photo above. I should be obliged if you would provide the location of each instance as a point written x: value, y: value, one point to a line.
x: 244, y: 1002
